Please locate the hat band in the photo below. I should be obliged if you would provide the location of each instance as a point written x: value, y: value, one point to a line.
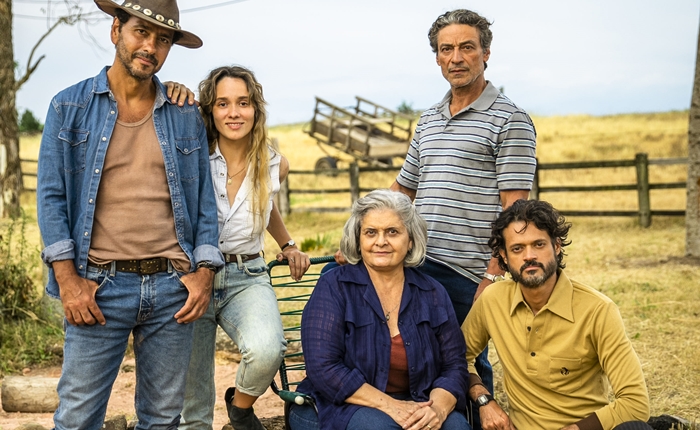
x: 149, y: 13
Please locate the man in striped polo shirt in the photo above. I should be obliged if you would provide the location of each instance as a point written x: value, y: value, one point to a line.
x: 472, y: 155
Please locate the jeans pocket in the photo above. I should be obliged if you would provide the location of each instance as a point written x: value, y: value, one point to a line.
x: 99, y: 276
x: 178, y: 275
x: 255, y: 268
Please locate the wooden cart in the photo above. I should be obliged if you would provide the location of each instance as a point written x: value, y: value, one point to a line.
x: 370, y: 132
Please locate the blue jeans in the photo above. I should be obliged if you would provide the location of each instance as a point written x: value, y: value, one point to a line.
x: 92, y: 355
x: 461, y: 291
x: 305, y: 418
x: 245, y: 306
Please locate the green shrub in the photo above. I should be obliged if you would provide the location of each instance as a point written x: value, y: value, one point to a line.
x: 17, y: 290
x: 320, y: 242
x: 29, y: 124
x: 25, y: 339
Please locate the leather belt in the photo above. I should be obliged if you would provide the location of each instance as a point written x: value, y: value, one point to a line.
x: 141, y: 267
x: 231, y: 258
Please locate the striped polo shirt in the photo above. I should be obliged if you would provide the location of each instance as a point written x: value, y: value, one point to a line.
x: 458, y: 164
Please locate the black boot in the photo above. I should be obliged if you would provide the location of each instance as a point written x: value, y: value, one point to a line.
x: 241, y: 419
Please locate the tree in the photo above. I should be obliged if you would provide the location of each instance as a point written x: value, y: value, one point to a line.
x: 10, y: 83
x: 692, y: 212
x: 29, y: 123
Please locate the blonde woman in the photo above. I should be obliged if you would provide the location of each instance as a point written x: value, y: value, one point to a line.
x: 246, y: 172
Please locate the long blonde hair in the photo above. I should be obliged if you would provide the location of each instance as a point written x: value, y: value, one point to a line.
x: 260, y: 151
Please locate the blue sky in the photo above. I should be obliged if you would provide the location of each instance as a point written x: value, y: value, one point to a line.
x: 551, y: 57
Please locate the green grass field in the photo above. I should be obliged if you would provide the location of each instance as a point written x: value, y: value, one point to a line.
x: 643, y: 270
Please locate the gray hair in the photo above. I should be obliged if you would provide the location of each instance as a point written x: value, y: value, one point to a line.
x: 403, y: 207
x: 461, y: 16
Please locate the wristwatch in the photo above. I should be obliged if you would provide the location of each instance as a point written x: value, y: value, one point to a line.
x: 290, y: 243
x: 494, y: 278
x: 484, y: 399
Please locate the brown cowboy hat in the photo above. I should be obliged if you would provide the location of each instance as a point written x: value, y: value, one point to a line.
x: 163, y: 13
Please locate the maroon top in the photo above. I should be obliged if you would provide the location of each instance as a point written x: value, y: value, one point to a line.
x: 398, y: 367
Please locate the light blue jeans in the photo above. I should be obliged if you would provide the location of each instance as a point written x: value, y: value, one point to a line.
x: 245, y: 306
x: 92, y: 355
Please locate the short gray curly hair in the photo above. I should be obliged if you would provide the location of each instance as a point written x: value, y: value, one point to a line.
x: 461, y: 16
x: 379, y: 200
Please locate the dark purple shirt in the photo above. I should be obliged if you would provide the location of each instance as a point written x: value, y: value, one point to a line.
x: 346, y: 341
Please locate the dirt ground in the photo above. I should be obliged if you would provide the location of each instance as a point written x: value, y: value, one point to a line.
x: 122, y: 400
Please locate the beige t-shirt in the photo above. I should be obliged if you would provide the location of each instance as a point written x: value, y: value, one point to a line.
x: 133, y: 213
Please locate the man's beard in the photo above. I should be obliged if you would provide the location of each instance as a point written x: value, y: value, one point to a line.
x: 127, y: 61
x: 533, y: 281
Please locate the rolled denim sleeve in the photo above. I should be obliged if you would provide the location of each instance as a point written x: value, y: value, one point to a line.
x: 323, y: 336
x: 51, y: 198
x: 205, y: 241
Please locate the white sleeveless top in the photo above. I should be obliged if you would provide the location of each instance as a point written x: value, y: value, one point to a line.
x: 236, y: 221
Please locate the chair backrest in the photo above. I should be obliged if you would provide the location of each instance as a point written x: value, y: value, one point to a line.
x: 292, y: 297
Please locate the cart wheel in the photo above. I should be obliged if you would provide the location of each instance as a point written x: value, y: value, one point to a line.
x: 388, y: 162
x: 326, y: 163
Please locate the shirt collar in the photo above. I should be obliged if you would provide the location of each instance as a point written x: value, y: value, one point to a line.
x: 101, y: 85
x: 361, y: 276
x: 484, y: 102
x: 559, y: 303
x: 216, y: 154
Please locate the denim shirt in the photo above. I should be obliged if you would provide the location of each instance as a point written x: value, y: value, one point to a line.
x: 77, y: 132
x: 347, y: 343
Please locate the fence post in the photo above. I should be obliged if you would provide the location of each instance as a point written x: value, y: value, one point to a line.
x: 535, y: 190
x: 641, y: 162
x: 354, y: 182
x: 283, y: 196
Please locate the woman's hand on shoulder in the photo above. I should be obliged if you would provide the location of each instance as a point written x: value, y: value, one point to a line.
x: 179, y: 94
x: 298, y: 261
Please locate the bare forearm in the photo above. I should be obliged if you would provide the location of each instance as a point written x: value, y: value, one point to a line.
x: 408, y: 191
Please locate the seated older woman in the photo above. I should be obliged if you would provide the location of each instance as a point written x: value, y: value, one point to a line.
x: 382, y: 345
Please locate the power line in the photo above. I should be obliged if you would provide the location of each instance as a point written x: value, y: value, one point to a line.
x: 194, y: 9
x: 43, y: 17
x: 211, y: 6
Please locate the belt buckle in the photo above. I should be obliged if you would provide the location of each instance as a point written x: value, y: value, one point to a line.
x: 149, y: 267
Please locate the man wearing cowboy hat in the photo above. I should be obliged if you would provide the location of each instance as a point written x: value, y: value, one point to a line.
x: 127, y: 212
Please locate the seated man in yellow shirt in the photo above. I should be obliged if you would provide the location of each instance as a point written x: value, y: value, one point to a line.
x: 557, y: 339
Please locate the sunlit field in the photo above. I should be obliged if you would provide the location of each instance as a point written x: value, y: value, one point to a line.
x: 642, y: 270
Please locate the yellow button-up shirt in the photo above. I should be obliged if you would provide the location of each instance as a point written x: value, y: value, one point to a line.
x: 555, y: 362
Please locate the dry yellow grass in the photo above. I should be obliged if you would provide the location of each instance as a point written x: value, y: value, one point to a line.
x: 641, y: 269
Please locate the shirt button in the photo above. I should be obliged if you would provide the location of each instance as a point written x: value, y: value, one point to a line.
x: 97, y: 170
x: 415, y: 393
x: 413, y: 369
x: 90, y: 200
x: 104, y: 138
x: 170, y: 174
x: 221, y: 241
x: 85, y: 234
x: 532, y: 354
x: 529, y: 328
x: 222, y: 196
x: 80, y: 267
x: 111, y: 112
x: 185, y: 150
x: 408, y: 343
x: 221, y: 174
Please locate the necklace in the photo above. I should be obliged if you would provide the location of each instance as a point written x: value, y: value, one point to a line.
x: 389, y: 313
x: 230, y: 178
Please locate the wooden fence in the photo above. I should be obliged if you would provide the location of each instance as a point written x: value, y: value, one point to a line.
x: 28, y: 173
x: 642, y: 185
